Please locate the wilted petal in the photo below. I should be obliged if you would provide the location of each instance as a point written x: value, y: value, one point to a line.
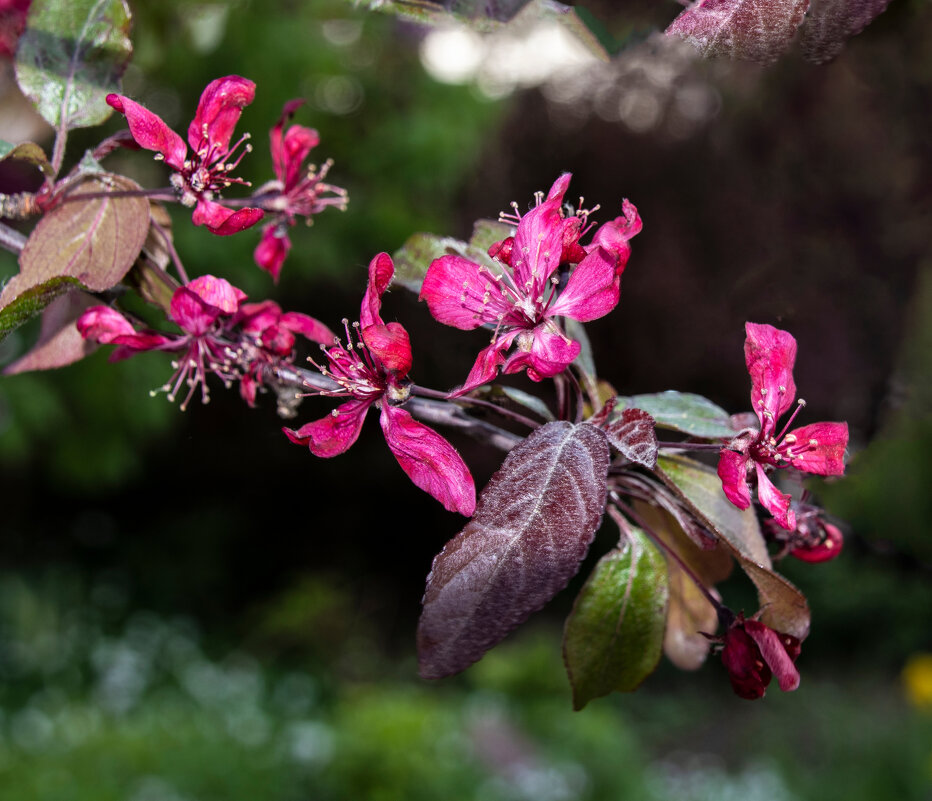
x: 223, y: 221
x: 827, y: 444
x: 431, y: 462
x: 741, y: 657
x: 391, y: 345
x: 828, y: 549
x: 732, y: 470
x: 775, y: 649
x: 335, y: 433
x: 218, y: 111
x: 770, y: 354
x: 774, y: 501
x: 454, y: 289
x: 272, y: 249
x: 150, y: 131
x: 381, y: 271
x: 592, y: 290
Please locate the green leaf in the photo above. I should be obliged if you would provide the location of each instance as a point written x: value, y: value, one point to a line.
x: 27, y: 304
x: 682, y: 411
x: 486, y: 233
x: 614, y: 634
x: 27, y: 151
x: 71, y: 56
x: 525, y: 399
x: 784, y: 607
x: 415, y: 256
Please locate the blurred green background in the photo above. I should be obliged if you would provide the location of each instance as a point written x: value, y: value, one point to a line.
x: 192, y: 609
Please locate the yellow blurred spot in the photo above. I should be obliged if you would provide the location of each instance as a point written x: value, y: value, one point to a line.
x: 917, y: 678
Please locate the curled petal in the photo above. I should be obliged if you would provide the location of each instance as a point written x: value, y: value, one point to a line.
x: 272, y: 250
x: 826, y: 454
x: 614, y: 235
x: 732, y: 470
x: 297, y: 144
x: 217, y: 292
x: 455, y: 290
x: 774, y: 501
x: 779, y: 651
x: 102, y: 324
x: 770, y: 354
x: 150, y: 131
x: 381, y: 271
x: 559, y: 187
x: 391, y: 345
x: 223, y: 221
x: 592, y: 290
x: 218, y: 111
x: 551, y: 353
x: 828, y: 549
x: 335, y: 433
x: 431, y: 462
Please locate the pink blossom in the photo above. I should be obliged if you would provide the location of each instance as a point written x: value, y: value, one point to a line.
x: 198, y: 180
x: 753, y: 653
x: 817, y: 448
x: 296, y: 192
x: 524, y: 295
x: 813, y: 539
x: 372, y: 370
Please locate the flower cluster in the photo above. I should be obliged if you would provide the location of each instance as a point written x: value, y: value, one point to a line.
x: 220, y: 335
x: 530, y: 285
x: 817, y: 448
x: 372, y: 370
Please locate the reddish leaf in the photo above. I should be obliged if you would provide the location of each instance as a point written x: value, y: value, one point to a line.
x: 633, y: 434
x: 751, y: 30
x: 831, y: 22
x: 94, y: 241
x: 59, y: 341
x: 533, y: 525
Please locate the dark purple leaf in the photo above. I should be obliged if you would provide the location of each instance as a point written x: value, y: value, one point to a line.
x: 831, y: 22
x: 533, y: 525
x: 59, y: 343
x: 633, y: 434
x: 751, y: 30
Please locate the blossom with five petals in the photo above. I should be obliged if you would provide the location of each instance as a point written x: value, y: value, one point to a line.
x: 296, y: 192
x: 200, y: 178
x: 817, y: 448
x: 523, y: 295
x: 373, y: 371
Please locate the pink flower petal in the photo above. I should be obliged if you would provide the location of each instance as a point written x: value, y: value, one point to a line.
x: 826, y: 550
x: 307, y: 327
x: 776, y: 502
x: 770, y: 354
x: 550, y: 354
x: 614, y: 235
x: 486, y: 366
x: 217, y: 292
x: 254, y: 318
x: 381, y: 271
x: 559, y: 187
x: 538, y: 246
x: 773, y: 648
x: 741, y: 658
x: 431, y: 462
x: 297, y: 144
x: 454, y: 289
x: 101, y: 324
x: 218, y: 111
x: 827, y: 456
x: 150, y: 131
x: 592, y: 290
x: 335, y: 433
x: 272, y: 249
x: 732, y: 470
x: 223, y: 221
x: 391, y: 345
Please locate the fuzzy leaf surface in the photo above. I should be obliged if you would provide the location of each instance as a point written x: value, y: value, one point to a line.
x: 614, y: 634
x: 30, y: 302
x: 784, y: 606
x: 71, y: 56
x: 682, y: 411
x: 533, y: 525
x: 633, y: 435
x: 94, y: 241
x: 750, y: 30
x: 830, y: 23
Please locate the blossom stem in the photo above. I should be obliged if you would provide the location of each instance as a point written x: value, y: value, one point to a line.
x: 11, y: 239
x: 170, y: 247
x: 621, y: 506
x: 690, y: 446
x: 511, y: 415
